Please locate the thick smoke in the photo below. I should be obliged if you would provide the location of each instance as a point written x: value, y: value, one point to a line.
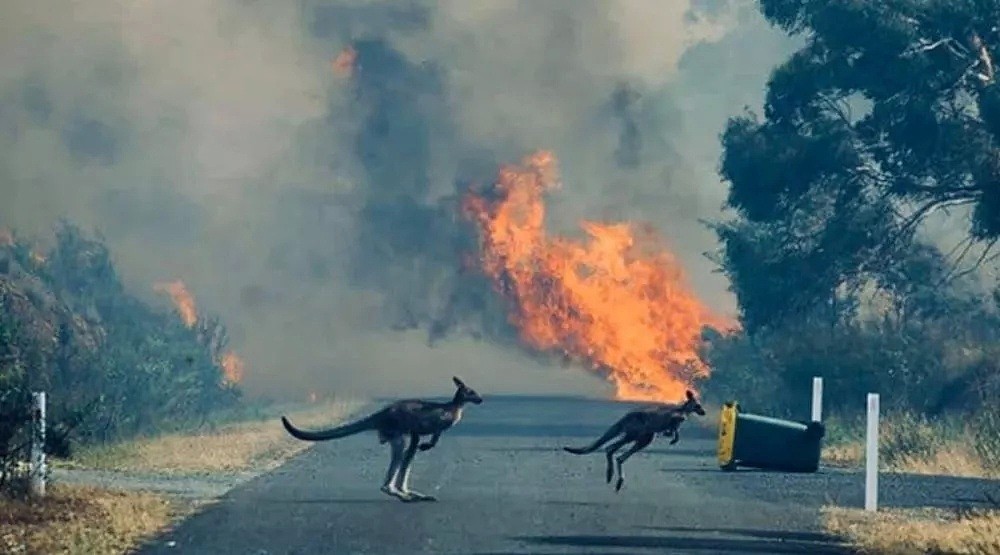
x: 316, y: 213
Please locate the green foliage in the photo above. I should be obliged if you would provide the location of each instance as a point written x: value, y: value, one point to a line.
x: 112, y: 366
x: 931, y: 362
x: 15, y: 430
x: 842, y: 429
x: 889, y: 112
x: 910, y: 436
x: 909, y: 440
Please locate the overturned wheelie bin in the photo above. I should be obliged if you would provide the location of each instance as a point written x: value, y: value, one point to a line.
x: 755, y: 441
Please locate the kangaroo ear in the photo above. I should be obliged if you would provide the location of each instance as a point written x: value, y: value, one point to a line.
x: 690, y: 395
x: 457, y: 381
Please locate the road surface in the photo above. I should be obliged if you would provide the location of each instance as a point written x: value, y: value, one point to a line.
x: 505, y: 486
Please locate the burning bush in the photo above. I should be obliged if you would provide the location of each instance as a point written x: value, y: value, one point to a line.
x: 619, y: 300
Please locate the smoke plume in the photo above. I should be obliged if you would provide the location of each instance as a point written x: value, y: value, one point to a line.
x: 315, y: 208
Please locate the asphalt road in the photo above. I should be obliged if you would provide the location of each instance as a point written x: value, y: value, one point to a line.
x: 505, y: 486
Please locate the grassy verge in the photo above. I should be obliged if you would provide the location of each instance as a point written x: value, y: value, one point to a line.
x: 90, y: 520
x: 913, y: 444
x: 81, y: 520
x: 953, y: 446
x: 898, y: 532
x: 259, y: 444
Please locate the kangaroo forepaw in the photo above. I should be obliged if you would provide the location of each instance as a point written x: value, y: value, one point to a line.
x: 675, y: 440
x: 619, y: 484
x: 609, y: 475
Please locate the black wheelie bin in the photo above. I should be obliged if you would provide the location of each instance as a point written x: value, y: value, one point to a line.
x: 754, y: 441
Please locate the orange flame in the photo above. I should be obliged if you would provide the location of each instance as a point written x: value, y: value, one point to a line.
x: 233, y: 368
x: 343, y: 64
x: 7, y: 240
x: 618, y: 300
x: 182, y: 300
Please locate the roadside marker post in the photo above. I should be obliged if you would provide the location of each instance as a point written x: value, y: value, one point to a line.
x: 38, y: 444
x: 817, y: 403
x: 871, y: 455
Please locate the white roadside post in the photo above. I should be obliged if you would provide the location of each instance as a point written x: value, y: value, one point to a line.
x: 817, y: 406
x: 871, y: 455
x: 38, y: 444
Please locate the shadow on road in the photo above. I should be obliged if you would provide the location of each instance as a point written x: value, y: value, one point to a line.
x: 686, y: 451
x: 765, y: 534
x: 577, y: 503
x: 539, y: 553
x: 330, y: 501
x: 693, y: 452
x: 761, y: 541
x: 682, y: 470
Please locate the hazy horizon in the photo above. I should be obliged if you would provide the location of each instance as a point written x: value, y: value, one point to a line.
x: 213, y: 142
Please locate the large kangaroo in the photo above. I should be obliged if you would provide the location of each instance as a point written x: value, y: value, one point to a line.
x: 640, y: 427
x: 410, y: 417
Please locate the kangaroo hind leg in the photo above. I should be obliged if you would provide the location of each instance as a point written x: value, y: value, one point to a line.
x: 403, y: 480
x: 395, y: 461
x: 610, y: 453
x: 639, y: 445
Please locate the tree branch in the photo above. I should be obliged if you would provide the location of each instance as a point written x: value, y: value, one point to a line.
x: 968, y: 242
x: 926, y: 46
x: 930, y: 208
x: 987, y: 73
x: 907, y: 228
x: 979, y: 262
x: 839, y: 111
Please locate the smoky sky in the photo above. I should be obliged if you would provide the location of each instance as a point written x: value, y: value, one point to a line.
x: 316, y: 213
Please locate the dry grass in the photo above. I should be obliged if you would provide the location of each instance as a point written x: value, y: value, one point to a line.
x: 915, y: 445
x: 88, y: 520
x: 899, y: 532
x: 81, y: 520
x: 951, y: 458
x: 257, y: 445
x: 844, y: 454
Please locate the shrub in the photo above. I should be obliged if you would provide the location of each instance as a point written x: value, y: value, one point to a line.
x: 112, y: 366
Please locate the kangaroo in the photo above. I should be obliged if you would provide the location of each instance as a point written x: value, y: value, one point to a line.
x: 406, y: 418
x: 639, y: 427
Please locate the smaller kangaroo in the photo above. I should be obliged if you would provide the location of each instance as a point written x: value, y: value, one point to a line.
x: 407, y: 418
x: 639, y: 427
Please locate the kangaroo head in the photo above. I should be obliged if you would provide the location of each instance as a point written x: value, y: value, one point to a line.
x: 465, y: 394
x: 692, y: 404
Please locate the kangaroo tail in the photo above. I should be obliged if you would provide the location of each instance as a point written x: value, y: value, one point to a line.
x: 367, y: 423
x: 612, y: 432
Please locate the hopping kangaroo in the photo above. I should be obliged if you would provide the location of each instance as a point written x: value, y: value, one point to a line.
x: 407, y: 418
x: 639, y: 427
